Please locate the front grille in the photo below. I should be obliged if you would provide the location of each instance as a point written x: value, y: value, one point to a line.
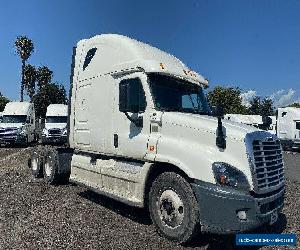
x: 54, y: 132
x: 268, y: 164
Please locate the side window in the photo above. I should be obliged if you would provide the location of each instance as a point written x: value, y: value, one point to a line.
x: 89, y: 56
x: 132, y: 96
x: 298, y: 125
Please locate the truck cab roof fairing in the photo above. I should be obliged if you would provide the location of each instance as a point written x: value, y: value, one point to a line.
x: 117, y: 53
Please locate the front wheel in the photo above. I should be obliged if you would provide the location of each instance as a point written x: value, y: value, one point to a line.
x: 173, y: 207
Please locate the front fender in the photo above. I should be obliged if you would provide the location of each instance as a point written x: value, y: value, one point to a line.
x: 195, y: 158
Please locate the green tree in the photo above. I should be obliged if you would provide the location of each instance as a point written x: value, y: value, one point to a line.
x: 30, y: 80
x: 263, y: 107
x: 255, y: 106
x: 44, y: 76
x: 3, y: 102
x: 24, y: 47
x: 295, y: 105
x: 229, y: 99
x: 52, y: 93
x: 267, y: 107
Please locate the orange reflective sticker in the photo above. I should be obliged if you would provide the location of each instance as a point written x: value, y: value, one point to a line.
x: 151, y: 148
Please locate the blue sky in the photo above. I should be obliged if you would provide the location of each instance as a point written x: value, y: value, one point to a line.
x: 254, y: 45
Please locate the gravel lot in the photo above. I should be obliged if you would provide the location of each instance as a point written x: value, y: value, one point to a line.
x: 34, y: 215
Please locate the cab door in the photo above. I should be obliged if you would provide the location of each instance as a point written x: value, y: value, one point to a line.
x: 131, y: 117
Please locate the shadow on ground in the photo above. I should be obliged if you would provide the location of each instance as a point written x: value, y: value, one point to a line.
x: 135, y: 214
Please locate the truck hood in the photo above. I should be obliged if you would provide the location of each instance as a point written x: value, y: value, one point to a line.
x: 11, y: 125
x: 55, y: 125
x: 189, y: 141
x: 233, y: 130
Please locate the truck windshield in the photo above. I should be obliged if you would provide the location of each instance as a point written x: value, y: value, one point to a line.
x: 14, y: 119
x: 173, y: 94
x: 56, y: 119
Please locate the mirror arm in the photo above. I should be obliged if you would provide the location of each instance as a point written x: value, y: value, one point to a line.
x: 136, y: 123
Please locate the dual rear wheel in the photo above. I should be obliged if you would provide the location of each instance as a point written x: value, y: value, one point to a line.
x: 44, y: 163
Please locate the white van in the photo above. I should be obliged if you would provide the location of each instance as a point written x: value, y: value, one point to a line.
x: 55, y: 130
x: 141, y: 132
x: 288, y: 127
x: 18, y: 124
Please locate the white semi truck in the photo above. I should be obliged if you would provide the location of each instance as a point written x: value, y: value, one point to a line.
x: 288, y: 127
x: 18, y: 123
x: 55, y: 131
x: 141, y: 131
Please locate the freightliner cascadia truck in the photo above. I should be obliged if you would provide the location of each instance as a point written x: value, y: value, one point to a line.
x: 55, y: 131
x: 18, y: 124
x: 141, y: 131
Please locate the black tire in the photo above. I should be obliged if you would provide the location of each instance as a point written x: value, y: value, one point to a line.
x: 36, y: 163
x: 25, y: 143
x: 51, y: 168
x: 184, y: 222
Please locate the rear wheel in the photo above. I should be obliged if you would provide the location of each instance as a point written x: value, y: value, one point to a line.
x: 173, y: 207
x: 36, y: 164
x: 51, y: 168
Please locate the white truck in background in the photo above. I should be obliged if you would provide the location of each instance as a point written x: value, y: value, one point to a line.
x: 140, y: 131
x: 18, y: 124
x: 55, y: 130
x: 288, y: 127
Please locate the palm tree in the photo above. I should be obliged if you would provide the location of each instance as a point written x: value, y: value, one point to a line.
x: 25, y: 48
x: 44, y: 76
x: 30, y: 80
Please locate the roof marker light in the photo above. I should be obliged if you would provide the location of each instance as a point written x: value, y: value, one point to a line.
x: 162, y: 66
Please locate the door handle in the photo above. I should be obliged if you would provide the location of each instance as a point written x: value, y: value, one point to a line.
x: 116, y: 140
x: 93, y: 160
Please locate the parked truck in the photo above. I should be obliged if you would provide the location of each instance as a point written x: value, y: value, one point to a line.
x: 140, y: 131
x: 288, y: 127
x: 18, y: 123
x: 55, y: 130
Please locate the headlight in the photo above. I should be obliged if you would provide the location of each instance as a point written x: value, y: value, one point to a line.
x: 64, y: 131
x: 227, y: 175
x: 45, y: 131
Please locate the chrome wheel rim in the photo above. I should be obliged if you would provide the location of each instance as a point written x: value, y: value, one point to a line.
x: 170, y: 209
x: 34, y: 164
x: 48, y: 168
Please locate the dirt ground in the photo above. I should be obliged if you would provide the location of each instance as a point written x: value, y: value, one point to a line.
x: 34, y: 215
